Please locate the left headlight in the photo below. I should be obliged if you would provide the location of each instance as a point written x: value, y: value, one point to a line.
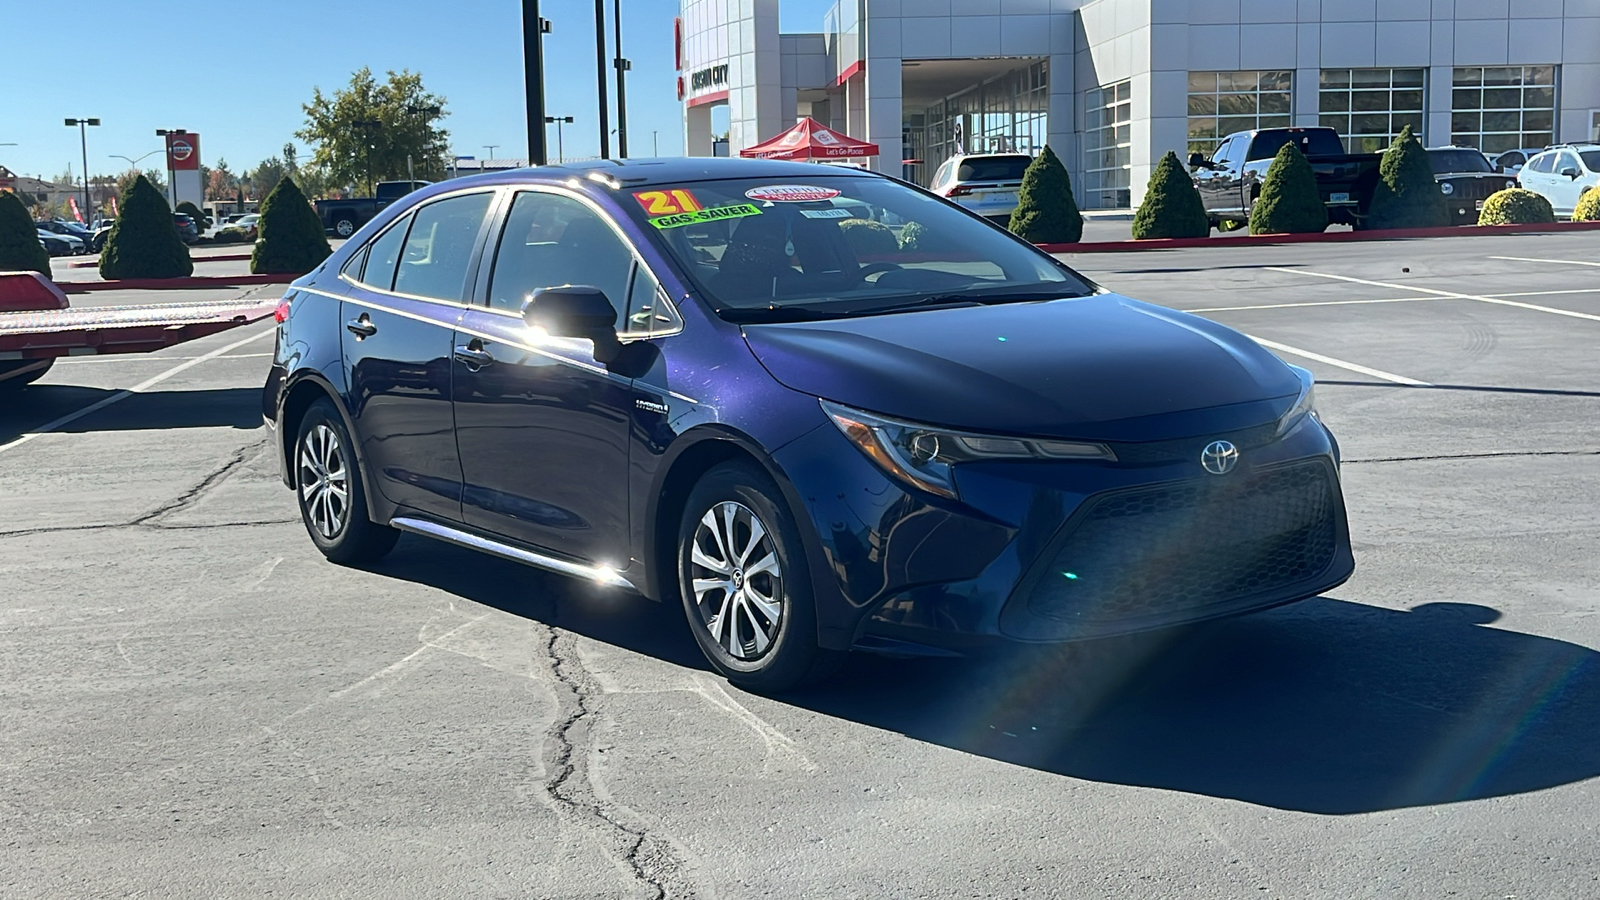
x: 1447, y: 188
x: 1306, y: 405
x: 925, y: 455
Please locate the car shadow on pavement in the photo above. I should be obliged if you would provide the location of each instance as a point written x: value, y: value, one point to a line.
x: 1325, y: 707
x: 39, y: 405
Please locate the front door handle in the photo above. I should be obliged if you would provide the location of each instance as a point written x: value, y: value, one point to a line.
x: 362, y: 327
x: 474, y: 356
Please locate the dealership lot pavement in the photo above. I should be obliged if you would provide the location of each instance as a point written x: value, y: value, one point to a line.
x: 195, y: 704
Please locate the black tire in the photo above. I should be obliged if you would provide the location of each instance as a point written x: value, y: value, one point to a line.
x: 344, y: 225
x: 338, y: 526
x: 789, y: 656
x: 18, y: 382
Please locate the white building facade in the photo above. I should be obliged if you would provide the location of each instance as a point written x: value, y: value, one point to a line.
x: 1112, y: 85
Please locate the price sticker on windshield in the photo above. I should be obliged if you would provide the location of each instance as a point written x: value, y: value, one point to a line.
x: 715, y: 214
x: 666, y: 203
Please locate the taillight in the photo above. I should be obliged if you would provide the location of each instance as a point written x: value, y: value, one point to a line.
x: 959, y: 191
x: 280, y: 314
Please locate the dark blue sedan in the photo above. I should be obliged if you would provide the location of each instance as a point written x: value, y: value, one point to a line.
x: 824, y: 409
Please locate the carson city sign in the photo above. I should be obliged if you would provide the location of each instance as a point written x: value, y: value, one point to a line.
x: 708, y: 78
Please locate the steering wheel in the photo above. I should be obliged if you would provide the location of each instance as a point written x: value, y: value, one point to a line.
x: 877, y: 268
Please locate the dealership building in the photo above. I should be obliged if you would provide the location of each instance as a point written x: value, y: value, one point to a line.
x: 1112, y: 85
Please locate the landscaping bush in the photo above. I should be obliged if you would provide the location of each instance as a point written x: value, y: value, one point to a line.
x: 1046, y: 211
x: 193, y: 212
x: 1171, y: 207
x: 1588, y: 207
x: 289, y: 236
x: 232, y: 234
x: 1515, y: 206
x: 868, y: 238
x: 1290, y: 202
x: 20, y: 250
x: 1407, y: 195
x: 144, y: 243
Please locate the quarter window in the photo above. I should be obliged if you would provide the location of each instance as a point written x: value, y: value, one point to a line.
x: 551, y: 240
x: 384, y: 254
x: 438, y: 250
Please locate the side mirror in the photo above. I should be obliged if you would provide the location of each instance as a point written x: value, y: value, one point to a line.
x: 1196, y: 161
x: 578, y: 311
x: 1571, y: 172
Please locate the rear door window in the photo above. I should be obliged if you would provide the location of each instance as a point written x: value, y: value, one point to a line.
x: 383, y: 255
x: 438, y: 249
x: 1544, y: 163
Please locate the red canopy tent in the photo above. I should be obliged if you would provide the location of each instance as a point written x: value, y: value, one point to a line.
x: 810, y: 140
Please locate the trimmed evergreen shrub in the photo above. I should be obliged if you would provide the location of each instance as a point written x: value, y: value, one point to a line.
x: 193, y: 212
x: 1588, y: 206
x: 289, y: 236
x: 232, y: 234
x: 1290, y: 202
x: 1046, y: 211
x: 144, y: 243
x: 1171, y: 207
x: 1515, y: 206
x: 20, y: 250
x: 1407, y: 195
x: 868, y: 238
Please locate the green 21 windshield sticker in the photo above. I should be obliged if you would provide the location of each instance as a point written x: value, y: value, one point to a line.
x: 678, y: 220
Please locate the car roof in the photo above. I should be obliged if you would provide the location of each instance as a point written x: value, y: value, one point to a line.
x: 644, y: 172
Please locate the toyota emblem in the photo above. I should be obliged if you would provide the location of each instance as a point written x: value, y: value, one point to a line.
x: 1219, y: 457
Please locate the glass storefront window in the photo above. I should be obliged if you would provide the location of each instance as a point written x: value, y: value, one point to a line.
x: 1221, y: 103
x: 1108, y: 146
x: 1500, y: 108
x: 1006, y: 114
x: 1370, y: 107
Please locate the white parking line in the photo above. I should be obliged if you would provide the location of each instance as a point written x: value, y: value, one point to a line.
x: 123, y: 395
x: 139, y: 357
x: 1338, y: 363
x: 1437, y: 293
x: 1498, y: 295
x: 1559, y: 262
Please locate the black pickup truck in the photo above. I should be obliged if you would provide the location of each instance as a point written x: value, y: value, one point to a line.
x: 1230, y: 181
x: 343, y: 217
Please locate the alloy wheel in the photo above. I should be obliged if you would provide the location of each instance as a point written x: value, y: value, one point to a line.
x: 737, y: 580
x: 324, y: 480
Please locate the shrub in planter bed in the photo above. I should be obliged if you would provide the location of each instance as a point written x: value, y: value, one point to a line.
x: 289, y: 233
x: 1171, y: 207
x: 1407, y: 195
x: 1290, y: 202
x: 20, y: 250
x: 143, y: 243
x: 868, y: 238
x: 1046, y: 212
x: 1588, y: 207
x: 1515, y: 206
x: 232, y: 234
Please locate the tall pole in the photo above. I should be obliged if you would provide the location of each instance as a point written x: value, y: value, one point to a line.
x: 600, y: 64
x: 533, y: 31
x: 622, y: 88
x: 83, y: 138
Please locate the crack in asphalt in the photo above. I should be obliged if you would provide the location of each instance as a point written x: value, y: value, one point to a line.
x: 651, y: 860
x: 1509, y: 454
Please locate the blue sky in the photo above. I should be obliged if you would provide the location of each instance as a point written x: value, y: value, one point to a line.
x: 237, y: 73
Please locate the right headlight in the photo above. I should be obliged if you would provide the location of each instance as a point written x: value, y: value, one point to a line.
x: 1305, y: 405
x: 925, y: 455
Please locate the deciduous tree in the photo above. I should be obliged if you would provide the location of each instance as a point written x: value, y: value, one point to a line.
x: 367, y: 130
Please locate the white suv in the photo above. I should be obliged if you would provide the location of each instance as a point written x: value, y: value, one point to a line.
x: 1561, y: 175
x: 986, y: 183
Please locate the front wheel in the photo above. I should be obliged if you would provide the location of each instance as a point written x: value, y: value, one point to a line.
x: 333, y: 502
x: 344, y: 226
x: 745, y: 587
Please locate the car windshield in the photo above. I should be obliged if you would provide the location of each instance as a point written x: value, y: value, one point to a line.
x: 827, y: 246
x: 1591, y: 160
x: 1455, y: 161
x: 992, y: 168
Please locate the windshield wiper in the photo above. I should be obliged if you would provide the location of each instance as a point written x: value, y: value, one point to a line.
x: 753, y: 315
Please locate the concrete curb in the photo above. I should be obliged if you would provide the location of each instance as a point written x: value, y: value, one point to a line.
x: 224, y: 257
x: 172, y: 284
x: 1326, y: 237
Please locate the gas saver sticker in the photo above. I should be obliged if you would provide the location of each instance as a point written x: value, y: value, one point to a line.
x: 715, y: 214
x: 791, y: 193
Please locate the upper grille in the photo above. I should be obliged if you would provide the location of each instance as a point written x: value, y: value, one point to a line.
x: 1188, y: 449
x: 1166, y: 551
x: 1475, y: 188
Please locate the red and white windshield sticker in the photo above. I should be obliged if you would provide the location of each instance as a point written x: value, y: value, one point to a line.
x: 791, y: 193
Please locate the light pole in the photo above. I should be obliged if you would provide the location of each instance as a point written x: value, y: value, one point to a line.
x: 655, y: 143
x: 491, y: 148
x: 623, y: 66
x: 366, y: 126
x: 561, y: 146
x: 429, y: 112
x: 132, y: 162
x: 600, y: 65
x: 534, y: 28
x: 83, y: 136
x: 172, y: 189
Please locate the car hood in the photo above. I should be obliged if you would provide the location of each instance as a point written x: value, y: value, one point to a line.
x: 1102, y: 367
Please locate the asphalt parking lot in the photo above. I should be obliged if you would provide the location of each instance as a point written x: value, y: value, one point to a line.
x: 195, y: 704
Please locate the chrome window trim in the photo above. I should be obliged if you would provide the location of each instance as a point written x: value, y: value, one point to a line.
x: 498, y: 191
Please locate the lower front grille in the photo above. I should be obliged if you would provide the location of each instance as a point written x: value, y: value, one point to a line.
x: 1171, y: 551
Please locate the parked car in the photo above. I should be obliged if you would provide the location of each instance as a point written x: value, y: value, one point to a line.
x: 986, y: 183
x: 248, y: 223
x: 1512, y: 161
x: 57, y: 226
x: 1230, y: 181
x: 188, y: 229
x: 1562, y: 174
x: 1466, y: 178
x: 60, y: 244
x: 97, y: 241
x: 343, y: 217
x: 675, y: 377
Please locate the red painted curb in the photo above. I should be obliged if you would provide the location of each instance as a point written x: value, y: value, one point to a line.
x: 1326, y: 237
x: 172, y: 284
x: 222, y: 257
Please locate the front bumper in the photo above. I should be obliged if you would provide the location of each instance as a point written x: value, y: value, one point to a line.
x: 1052, y: 552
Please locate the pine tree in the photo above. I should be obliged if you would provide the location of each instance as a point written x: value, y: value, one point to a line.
x: 1290, y: 202
x: 144, y: 243
x: 20, y: 250
x: 1046, y: 211
x: 1172, y: 206
x: 290, y: 238
x: 1407, y: 195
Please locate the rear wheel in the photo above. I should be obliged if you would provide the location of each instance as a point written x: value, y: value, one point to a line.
x: 744, y: 582
x: 333, y: 502
x: 344, y: 226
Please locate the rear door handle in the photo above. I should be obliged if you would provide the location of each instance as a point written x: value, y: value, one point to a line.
x: 474, y: 357
x: 362, y: 327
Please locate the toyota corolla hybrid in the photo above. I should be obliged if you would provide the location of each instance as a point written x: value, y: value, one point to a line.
x: 694, y: 380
